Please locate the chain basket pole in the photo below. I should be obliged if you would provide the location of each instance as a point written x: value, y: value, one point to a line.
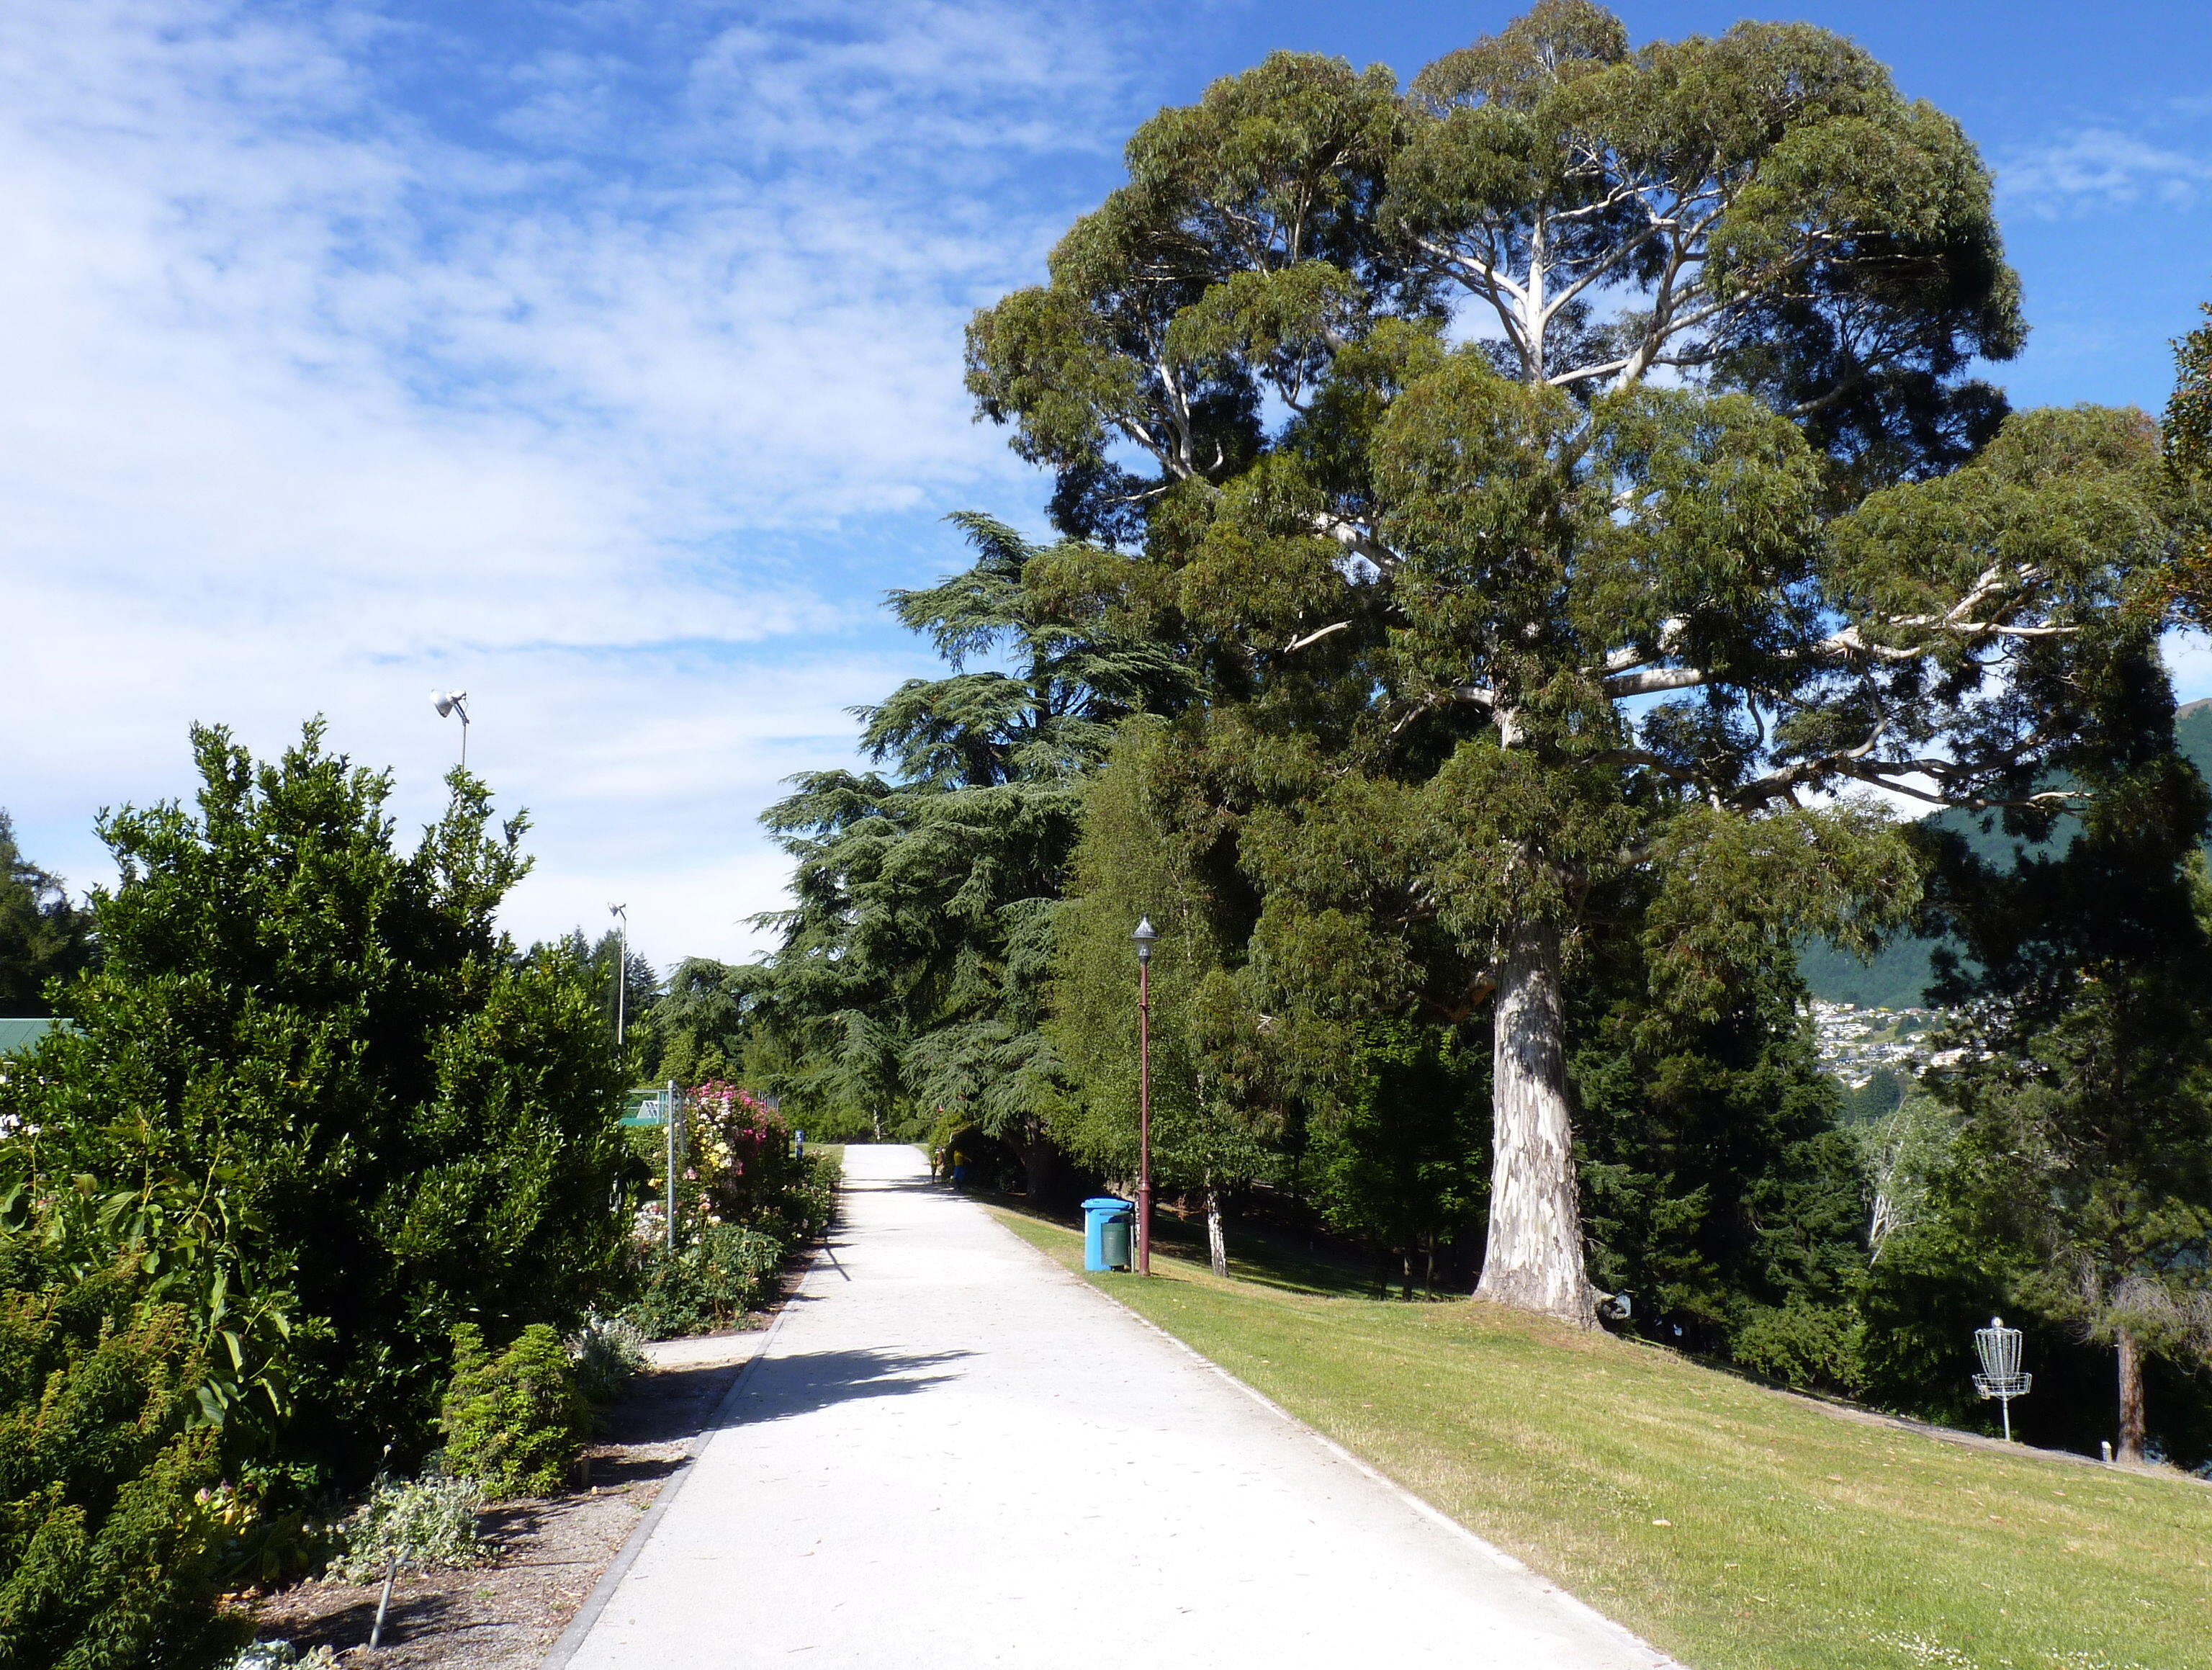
x: 1998, y: 1347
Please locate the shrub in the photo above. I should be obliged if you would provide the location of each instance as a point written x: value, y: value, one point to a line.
x: 411, y: 1526
x: 609, y: 1352
x: 514, y: 1422
x: 801, y: 1207
x: 409, y: 1124
x: 727, y: 1271
x: 107, y: 1552
x: 816, y: 1195
x: 1812, y: 1347
x: 261, y: 1544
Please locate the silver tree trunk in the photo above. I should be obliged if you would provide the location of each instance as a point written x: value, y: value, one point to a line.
x: 1216, y: 1240
x: 1533, y: 1260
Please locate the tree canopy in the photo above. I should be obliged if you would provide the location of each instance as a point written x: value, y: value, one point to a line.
x: 1518, y: 534
x: 1563, y: 481
x: 912, y: 966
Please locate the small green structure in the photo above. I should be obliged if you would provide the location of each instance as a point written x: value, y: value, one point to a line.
x: 16, y: 1036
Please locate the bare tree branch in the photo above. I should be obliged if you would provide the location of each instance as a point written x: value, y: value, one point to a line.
x: 1358, y: 541
x: 1297, y: 644
x: 1651, y: 680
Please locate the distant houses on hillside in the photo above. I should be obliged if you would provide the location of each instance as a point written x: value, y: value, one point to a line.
x: 1856, y: 1043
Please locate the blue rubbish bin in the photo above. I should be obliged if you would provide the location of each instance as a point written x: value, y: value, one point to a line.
x: 1106, y: 1221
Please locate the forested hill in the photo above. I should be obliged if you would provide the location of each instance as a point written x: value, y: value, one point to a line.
x: 1896, y: 979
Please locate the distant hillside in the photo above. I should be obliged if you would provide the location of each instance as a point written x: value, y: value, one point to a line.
x: 1897, y: 978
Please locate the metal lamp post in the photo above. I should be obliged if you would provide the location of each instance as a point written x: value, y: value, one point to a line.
x: 448, y: 702
x: 621, y: 914
x: 1144, y: 937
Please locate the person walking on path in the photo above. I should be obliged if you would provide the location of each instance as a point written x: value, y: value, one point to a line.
x: 953, y: 1454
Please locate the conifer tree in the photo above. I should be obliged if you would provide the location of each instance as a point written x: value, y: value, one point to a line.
x: 911, y: 977
x: 2085, y: 1038
x: 43, y: 936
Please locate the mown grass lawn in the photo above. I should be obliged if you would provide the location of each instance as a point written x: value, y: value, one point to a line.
x: 1734, y: 1526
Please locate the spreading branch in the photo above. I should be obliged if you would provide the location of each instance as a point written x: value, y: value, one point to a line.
x: 1311, y: 638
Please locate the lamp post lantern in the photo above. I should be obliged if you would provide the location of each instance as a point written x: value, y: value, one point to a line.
x: 1144, y: 937
x: 448, y: 702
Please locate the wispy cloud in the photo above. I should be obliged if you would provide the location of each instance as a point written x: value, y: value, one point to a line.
x: 611, y: 369
x: 2100, y: 169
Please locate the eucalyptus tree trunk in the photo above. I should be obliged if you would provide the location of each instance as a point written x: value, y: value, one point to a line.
x: 1216, y: 1240
x: 2131, y: 1398
x: 1533, y: 1260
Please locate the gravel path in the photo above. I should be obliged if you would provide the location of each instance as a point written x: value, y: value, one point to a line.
x: 953, y: 1454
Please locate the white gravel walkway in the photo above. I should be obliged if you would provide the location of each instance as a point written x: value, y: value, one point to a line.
x: 953, y: 1454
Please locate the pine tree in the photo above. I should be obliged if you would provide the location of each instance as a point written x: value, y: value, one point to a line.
x: 2084, y: 1158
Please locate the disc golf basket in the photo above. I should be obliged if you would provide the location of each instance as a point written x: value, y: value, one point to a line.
x: 1999, y: 1346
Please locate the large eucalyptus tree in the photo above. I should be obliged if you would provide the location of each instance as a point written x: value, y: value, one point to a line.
x: 1554, y: 473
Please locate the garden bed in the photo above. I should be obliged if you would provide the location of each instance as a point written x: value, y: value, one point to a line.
x: 505, y: 1615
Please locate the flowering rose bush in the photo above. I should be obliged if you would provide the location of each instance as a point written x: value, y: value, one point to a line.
x: 746, y: 1200
x: 749, y: 1172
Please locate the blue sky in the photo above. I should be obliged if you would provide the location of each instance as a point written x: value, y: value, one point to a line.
x: 603, y: 359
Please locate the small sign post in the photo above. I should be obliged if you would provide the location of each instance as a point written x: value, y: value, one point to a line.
x: 675, y: 1142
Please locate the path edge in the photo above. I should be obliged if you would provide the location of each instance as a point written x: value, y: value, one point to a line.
x: 1423, y: 1507
x: 571, y: 1639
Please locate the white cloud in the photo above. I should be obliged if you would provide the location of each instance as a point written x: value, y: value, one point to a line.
x: 2100, y: 169
x: 610, y: 373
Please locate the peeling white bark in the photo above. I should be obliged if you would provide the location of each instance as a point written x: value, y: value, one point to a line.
x: 1216, y: 1240
x: 1534, y: 1261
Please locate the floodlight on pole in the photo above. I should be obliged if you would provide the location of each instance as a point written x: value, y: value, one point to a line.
x: 1144, y: 937
x: 449, y: 703
x: 621, y: 914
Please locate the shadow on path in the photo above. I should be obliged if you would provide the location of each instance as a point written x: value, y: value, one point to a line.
x: 924, y: 1184
x: 783, y: 1386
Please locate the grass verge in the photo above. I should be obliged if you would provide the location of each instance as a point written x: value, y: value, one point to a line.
x: 1734, y: 1526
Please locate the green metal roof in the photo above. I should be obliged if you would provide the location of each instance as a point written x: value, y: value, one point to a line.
x: 22, y: 1035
